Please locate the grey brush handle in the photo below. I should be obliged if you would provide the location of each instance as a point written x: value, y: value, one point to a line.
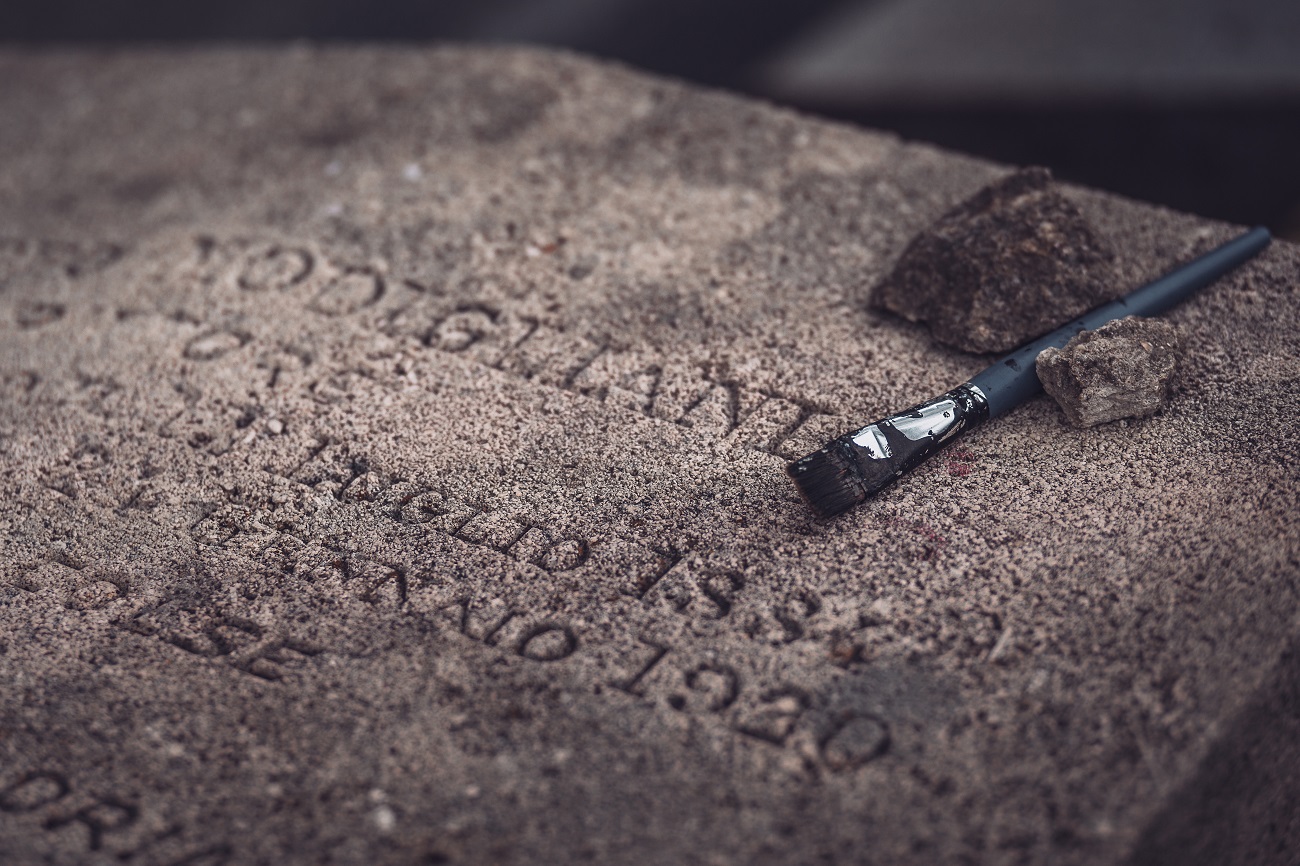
x: 853, y: 467
x: 1014, y: 379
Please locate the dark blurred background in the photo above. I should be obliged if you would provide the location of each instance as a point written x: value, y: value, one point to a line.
x: 1190, y: 103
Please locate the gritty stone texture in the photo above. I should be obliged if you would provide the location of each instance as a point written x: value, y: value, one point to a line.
x: 1124, y: 369
x: 1010, y: 263
x: 391, y: 449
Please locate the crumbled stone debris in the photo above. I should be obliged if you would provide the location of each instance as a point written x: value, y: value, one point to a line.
x: 1123, y: 369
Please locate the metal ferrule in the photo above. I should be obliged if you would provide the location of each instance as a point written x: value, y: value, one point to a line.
x: 888, y: 448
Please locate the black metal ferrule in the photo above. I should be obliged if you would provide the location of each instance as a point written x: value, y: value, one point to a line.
x: 873, y: 457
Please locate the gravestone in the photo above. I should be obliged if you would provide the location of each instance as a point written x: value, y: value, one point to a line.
x: 391, y: 447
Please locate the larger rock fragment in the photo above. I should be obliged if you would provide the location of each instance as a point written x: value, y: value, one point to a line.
x: 1010, y: 263
x: 1121, y: 370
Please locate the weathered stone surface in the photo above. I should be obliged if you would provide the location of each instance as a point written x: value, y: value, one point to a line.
x: 1012, y: 262
x: 391, y: 471
x: 1124, y: 369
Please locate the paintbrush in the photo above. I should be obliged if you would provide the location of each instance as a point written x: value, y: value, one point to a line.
x: 858, y: 465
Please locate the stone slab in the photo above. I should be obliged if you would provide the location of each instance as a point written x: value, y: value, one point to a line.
x: 391, y: 449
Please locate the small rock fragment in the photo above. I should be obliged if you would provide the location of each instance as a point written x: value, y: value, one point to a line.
x: 1010, y: 263
x: 1124, y: 369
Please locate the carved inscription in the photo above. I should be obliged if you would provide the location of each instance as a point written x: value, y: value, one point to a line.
x: 711, y: 688
x: 352, y: 290
x: 640, y: 383
x: 505, y: 338
x: 372, y: 582
x: 36, y: 314
x: 773, y: 714
x: 632, y: 684
x: 230, y: 639
x: 210, y: 345
x: 14, y: 254
x: 280, y: 524
x: 71, y: 259
x: 511, y: 631
x: 709, y: 594
x: 266, y: 266
x: 99, y: 819
x: 855, y: 739
x: 547, y: 642
x: 107, y: 823
x: 33, y: 791
x: 79, y: 258
x: 433, y: 509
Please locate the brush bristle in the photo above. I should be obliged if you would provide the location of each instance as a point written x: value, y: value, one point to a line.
x: 827, y: 481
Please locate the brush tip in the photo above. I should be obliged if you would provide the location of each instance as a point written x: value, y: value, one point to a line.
x: 828, y: 481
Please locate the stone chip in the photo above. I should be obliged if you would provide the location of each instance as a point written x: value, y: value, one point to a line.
x: 1124, y: 369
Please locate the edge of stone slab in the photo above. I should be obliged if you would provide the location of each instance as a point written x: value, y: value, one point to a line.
x: 1242, y: 804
